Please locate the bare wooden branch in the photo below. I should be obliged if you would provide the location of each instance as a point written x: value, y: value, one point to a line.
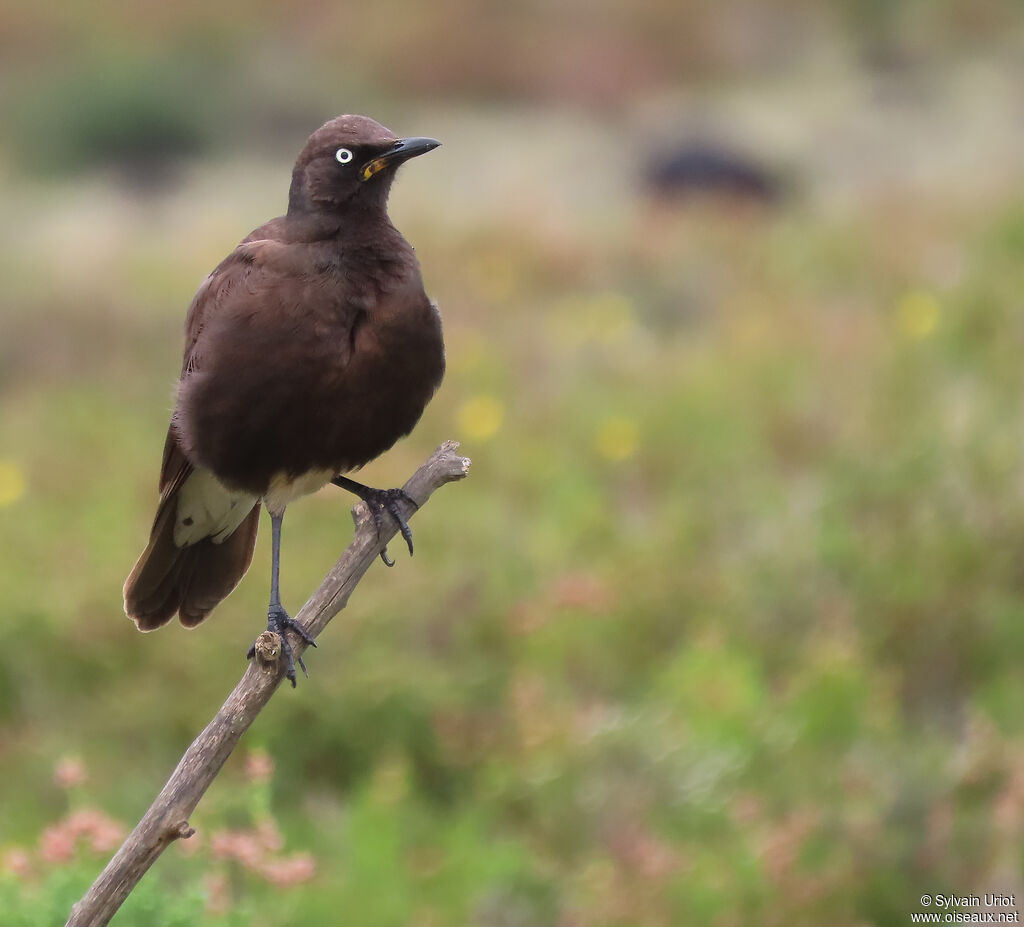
x: 167, y: 818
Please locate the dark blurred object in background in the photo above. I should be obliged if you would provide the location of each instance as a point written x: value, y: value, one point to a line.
x: 140, y: 117
x: 702, y: 169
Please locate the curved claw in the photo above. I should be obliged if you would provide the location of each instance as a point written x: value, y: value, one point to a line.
x: 380, y: 501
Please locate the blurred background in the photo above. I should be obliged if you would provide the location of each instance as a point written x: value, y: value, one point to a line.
x: 726, y: 625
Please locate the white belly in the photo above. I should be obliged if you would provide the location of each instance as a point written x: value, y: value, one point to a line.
x: 284, y: 490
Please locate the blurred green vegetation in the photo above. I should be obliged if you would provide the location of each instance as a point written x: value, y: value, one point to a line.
x: 726, y: 624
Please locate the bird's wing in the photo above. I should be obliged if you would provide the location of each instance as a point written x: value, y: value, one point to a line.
x: 214, y: 291
x: 211, y: 295
x: 262, y: 277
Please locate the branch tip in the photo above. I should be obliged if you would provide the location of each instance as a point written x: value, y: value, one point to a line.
x: 183, y: 831
x: 267, y: 648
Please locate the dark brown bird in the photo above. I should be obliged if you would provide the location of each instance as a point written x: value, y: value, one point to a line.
x: 309, y: 351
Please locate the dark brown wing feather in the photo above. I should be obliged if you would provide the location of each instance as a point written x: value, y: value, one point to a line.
x: 216, y: 569
x: 189, y: 581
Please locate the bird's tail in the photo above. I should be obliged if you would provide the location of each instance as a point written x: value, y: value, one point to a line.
x: 189, y: 580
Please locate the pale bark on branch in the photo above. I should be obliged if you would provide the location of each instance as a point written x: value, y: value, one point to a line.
x: 167, y: 818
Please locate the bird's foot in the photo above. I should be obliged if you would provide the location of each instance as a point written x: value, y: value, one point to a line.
x: 279, y: 622
x: 380, y: 501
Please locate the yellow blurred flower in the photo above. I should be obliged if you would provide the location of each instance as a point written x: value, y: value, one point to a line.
x: 12, y: 482
x: 597, y: 877
x: 616, y: 438
x: 467, y: 351
x: 606, y: 318
x: 481, y: 417
x: 611, y: 317
x: 390, y: 781
x: 917, y: 314
x: 751, y: 328
x: 495, y: 276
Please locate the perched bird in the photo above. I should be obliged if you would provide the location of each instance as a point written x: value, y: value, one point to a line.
x: 309, y: 351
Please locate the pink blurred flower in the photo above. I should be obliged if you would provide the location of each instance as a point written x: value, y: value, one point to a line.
x: 643, y: 853
x: 242, y: 846
x: 218, y: 893
x: 290, y: 870
x: 101, y: 830
x: 17, y: 862
x: 269, y: 836
x: 259, y: 766
x: 102, y: 833
x: 746, y: 809
x: 69, y: 772
x: 584, y: 591
x: 254, y: 850
x: 56, y: 844
x: 782, y: 839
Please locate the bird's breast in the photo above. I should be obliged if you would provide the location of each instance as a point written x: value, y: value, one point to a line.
x: 283, y: 404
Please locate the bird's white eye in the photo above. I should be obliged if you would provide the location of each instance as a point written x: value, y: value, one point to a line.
x: 343, y: 156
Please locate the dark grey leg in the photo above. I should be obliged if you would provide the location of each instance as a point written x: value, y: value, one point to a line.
x: 278, y: 619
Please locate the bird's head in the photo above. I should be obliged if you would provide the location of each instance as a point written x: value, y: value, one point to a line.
x: 350, y: 162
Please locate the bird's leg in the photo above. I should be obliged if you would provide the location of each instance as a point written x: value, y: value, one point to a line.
x: 380, y: 501
x: 278, y: 620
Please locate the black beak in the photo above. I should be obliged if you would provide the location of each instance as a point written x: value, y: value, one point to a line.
x: 403, y: 150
